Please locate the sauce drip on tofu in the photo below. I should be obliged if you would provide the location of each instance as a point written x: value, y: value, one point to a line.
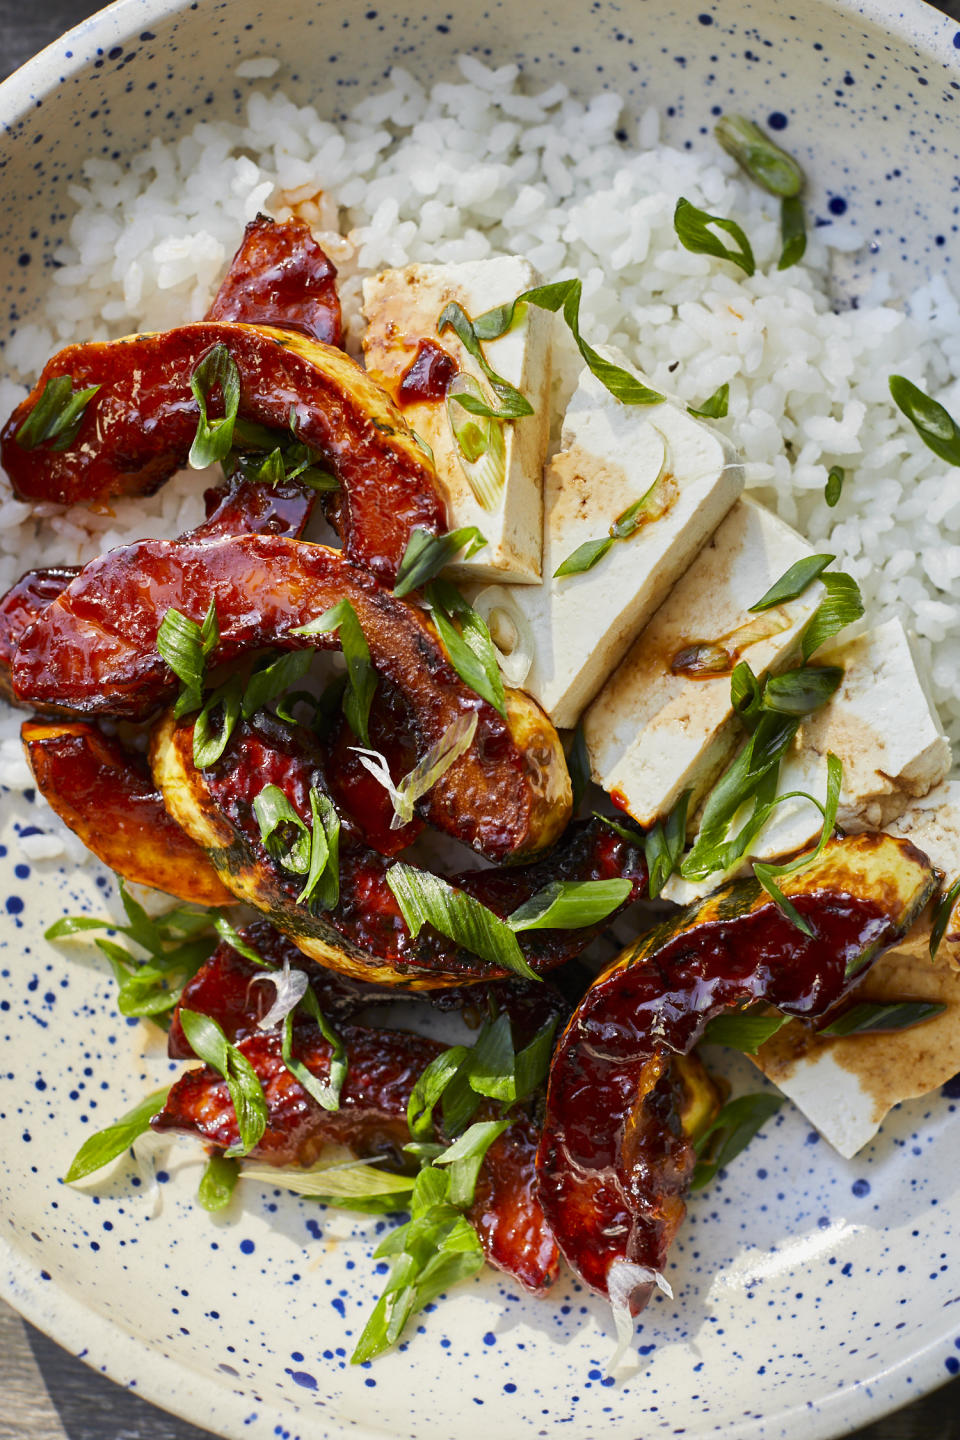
x: 702, y: 660
x: 428, y: 375
x: 706, y: 659
x: 614, y: 1164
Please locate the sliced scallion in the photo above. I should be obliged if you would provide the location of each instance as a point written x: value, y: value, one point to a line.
x: 57, y: 416
x: 210, y: 737
x: 273, y: 677
x: 99, y: 1149
x: 715, y: 408
x: 936, y: 426
x: 793, y: 232
x: 653, y: 503
x: 210, y: 1045
x: 742, y: 1030
x: 834, y: 486
x: 841, y: 606
x: 426, y: 899
x: 185, y: 646
x: 793, y: 582
x: 284, y: 834
x: 216, y: 370
x: 695, y: 231
x: 361, y: 676
x: 426, y: 555
x: 769, y: 874
x: 418, y: 782
x: 878, y: 1019
x: 766, y: 164
x: 570, y: 905
x: 467, y: 642
x: 217, y: 1183
x: 731, y: 1132
x: 565, y: 296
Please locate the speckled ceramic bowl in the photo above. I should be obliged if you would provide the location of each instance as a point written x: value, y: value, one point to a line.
x: 813, y: 1293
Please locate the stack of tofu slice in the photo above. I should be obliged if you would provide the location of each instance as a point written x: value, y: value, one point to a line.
x: 605, y: 645
x: 610, y: 455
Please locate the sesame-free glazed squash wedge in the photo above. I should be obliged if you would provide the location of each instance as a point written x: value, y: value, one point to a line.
x: 107, y: 796
x: 280, y: 276
x: 227, y: 988
x: 364, y: 934
x: 94, y: 650
x: 241, y: 507
x: 383, y: 1067
x: 22, y: 604
x: 613, y: 1175
x: 137, y: 430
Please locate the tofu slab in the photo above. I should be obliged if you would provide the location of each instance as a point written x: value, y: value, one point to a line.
x: 845, y: 1086
x: 401, y: 308
x: 883, y: 728
x: 610, y: 455
x: 652, y: 734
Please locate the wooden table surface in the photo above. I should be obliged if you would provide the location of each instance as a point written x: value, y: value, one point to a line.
x: 46, y: 1393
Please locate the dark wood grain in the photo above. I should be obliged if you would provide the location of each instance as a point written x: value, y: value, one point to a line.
x: 49, y: 1395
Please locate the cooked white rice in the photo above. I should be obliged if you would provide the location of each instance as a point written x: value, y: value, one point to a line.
x: 478, y: 167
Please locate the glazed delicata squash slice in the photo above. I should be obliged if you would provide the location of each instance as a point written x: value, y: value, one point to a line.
x: 613, y: 1174
x: 384, y: 1065
x: 139, y: 423
x: 280, y: 276
x: 94, y: 651
x: 241, y: 507
x: 363, y: 934
x: 108, y: 797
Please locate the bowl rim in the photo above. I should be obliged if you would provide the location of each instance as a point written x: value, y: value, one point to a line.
x: 915, y: 23
x: 103, y: 1344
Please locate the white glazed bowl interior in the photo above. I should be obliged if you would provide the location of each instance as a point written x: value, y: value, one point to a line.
x: 806, y: 1310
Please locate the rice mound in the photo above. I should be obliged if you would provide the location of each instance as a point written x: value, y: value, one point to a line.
x: 477, y: 167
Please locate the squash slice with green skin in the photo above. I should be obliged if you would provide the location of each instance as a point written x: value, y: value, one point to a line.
x: 613, y: 1173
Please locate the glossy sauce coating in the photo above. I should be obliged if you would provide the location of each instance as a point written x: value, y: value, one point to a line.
x: 239, y: 508
x: 383, y: 1066
x: 106, y: 794
x: 224, y: 989
x: 280, y: 276
x: 251, y: 507
x: 428, y: 375
x: 359, y: 794
x: 95, y: 651
x: 27, y: 598
x: 138, y: 429
x: 368, y: 917
x: 613, y: 1166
